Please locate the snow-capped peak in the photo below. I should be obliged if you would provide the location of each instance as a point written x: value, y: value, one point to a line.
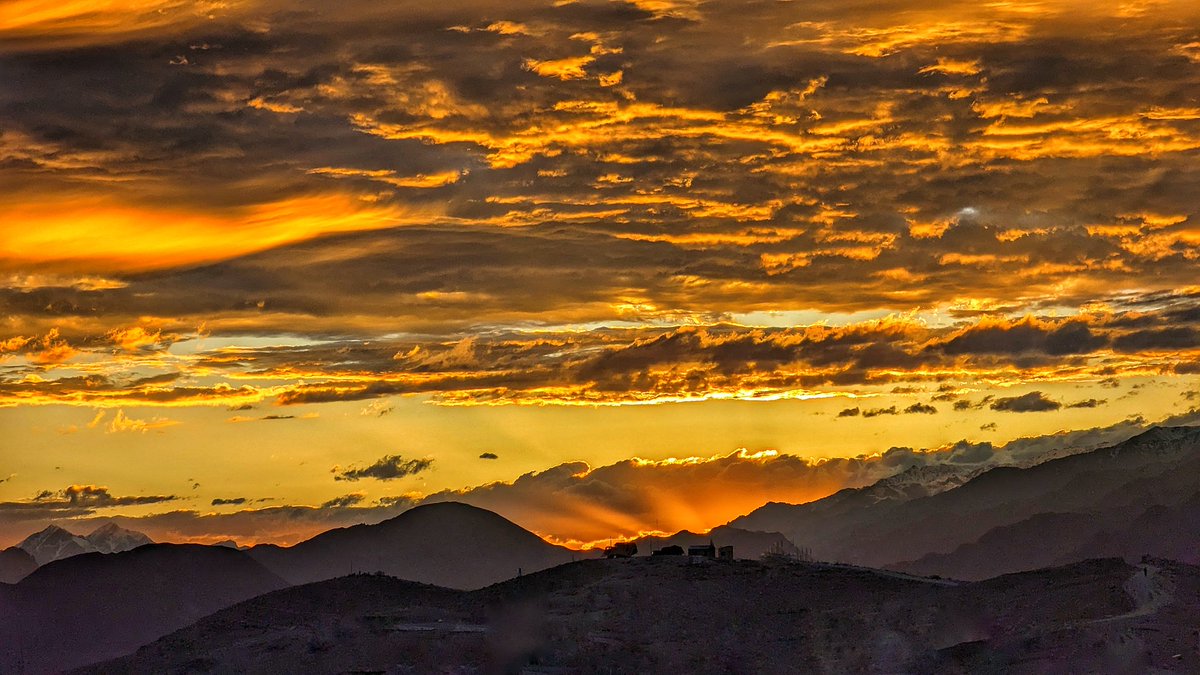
x: 54, y: 543
x: 111, y: 538
x: 922, y: 481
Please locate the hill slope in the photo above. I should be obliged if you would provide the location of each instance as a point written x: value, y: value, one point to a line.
x: 448, y: 544
x: 668, y: 615
x: 96, y: 606
x: 15, y: 564
x: 1112, y: 485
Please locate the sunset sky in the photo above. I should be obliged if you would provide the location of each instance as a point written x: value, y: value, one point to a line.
x: 603, y: 267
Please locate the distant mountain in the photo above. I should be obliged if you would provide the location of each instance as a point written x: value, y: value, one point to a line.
x: 55, y: 543
x: 667, y: 615
x: 1098, y: 494
x: 919, y: 481
x: 448, y: 544
x: 816, y: 525
x: 111, y: 538
x: 91, y: 607
x: 1056, y: 538
x: 15, y: 564
x: 746, y: 544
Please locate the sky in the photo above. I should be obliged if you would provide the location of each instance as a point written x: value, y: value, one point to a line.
x: 606, y: 267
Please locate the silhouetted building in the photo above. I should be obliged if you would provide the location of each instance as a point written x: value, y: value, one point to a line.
x: 624, y: 549
x: 725, y: 553
x: 673, y: 549
x: 708, y: 550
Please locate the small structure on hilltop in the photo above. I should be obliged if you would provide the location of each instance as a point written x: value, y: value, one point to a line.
x: 673, y: 549
x: 708, y: 550
x: 725, y: 553
x: 779, y: 553
x: 623, y: 549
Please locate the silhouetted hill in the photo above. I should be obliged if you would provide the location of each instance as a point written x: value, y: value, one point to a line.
x: 662, y: 615
x: 15, y: 564
x: 1106, y: 490
x: 96, y: 606
x: 746, y: 544
x: 448, y: 544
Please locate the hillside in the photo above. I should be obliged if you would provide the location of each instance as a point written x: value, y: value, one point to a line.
x: 96, y: 606
x: 15, y: 564
x: 448, y: 544
x: 1108, y: 488
x: 671, y: 615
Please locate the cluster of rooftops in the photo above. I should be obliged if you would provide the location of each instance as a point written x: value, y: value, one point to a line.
x: 628, y: 549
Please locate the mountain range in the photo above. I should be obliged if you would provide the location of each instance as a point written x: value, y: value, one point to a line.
x: 928, y: 568
x: 1136, y: 497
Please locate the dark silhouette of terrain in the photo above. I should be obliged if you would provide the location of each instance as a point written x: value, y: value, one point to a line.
x: 15, y: 564
x: 448, y: 544
x: 1112, y: 536
x: 670, y: 614
x: 96, y: 606
x: 1139, y: 496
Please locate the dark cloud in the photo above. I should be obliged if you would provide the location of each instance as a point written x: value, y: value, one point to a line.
x: 389, y: 467
x: 1179, y: 337
x: 1026, y: 336
x: 1088, y: 403
x: 231, y: 501
x: 1034, y: 401
x: 973, y: 405
x: 489, y: 455
x: 849, y: 412
x: 876, y: 412
x: 344, y: 502
x: 921, y: 408
x: 74, y: 501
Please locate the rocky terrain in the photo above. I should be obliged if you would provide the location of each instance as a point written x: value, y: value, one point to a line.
x: 681, y: 615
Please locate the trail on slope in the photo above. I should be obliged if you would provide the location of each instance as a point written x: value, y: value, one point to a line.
x: 1150, y: 590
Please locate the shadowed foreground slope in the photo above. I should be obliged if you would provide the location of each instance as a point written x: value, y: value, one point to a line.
x: 669, y: 615
x: 96, y: 606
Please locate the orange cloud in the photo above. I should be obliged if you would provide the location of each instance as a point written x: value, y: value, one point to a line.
x: 99, y: 234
